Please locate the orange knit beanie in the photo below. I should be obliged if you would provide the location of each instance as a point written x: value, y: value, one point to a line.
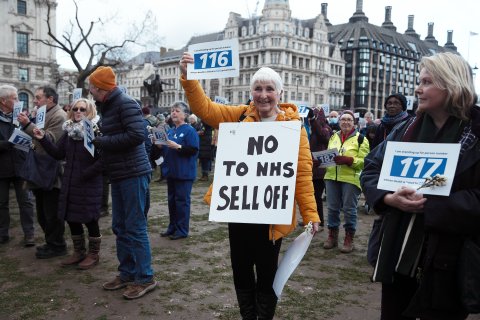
x: 103, y: 78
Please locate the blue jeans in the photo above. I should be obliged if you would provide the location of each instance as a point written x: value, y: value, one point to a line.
x: 129, y: 223
x: 25, y: 204
x: 179, y: 206
x: 342, y: 196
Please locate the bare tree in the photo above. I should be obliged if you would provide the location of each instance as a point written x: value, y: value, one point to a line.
x: 100, y: 53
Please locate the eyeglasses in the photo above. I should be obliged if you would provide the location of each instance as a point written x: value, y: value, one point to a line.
x: 346, y: 120
x: 79, y: 109
x: 394, y: 103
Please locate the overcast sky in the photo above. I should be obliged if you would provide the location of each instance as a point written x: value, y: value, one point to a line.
x: 178, y: 20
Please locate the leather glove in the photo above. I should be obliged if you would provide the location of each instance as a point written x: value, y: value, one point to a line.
x: 339, y: 160
x: 96, y: 142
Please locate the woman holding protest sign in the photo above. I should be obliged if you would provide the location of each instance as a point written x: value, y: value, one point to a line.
x: 418, y: 263
x: 257, y: 246
x: 342, y: 181
x: 180, y: 170
x: 82, y: 183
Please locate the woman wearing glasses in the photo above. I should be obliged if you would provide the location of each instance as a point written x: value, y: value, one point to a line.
x: 342, y: 181
x: 81, y: 191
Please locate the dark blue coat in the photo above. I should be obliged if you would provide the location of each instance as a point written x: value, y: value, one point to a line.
x: 82, y: 182
x: 123, y: 134
x: 181, y: 164
x: 11, y: 159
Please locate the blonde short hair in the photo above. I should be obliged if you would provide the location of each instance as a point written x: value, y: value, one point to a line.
x: 452, y: 73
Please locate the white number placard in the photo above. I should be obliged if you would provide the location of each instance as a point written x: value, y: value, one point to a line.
x: 214, y: 60
x: 255, y: 172
x: 20, y: 140
x: 160, y: 136
x: 77, y: 94
x: 325, y: 157
x: 410, y: 102
x: 17, y: 108
x: 408, y: 164
x: 40, y: 117
x: 88, y: 137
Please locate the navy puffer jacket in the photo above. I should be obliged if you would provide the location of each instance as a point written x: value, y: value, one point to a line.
x: 122, y: 142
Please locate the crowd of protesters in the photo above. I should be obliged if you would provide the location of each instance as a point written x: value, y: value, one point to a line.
x: 126, y: 152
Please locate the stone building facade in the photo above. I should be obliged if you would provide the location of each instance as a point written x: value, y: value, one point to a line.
x: 25, y: 63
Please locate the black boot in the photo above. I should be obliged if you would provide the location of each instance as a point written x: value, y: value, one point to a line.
x: 246, y: 303
x: 266, y: 304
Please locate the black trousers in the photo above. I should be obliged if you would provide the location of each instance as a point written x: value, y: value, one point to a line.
x: 396, y: 297
x: 76, y: 228
x: 252, y: 252
x: 47, y: 215
x: 318, y: 187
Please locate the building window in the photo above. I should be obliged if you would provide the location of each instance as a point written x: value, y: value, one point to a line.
x: 22, y: 7
x: 22, y: 96
x: 23, y: 74
x: 22, y: 43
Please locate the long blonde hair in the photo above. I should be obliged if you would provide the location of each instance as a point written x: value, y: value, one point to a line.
x: 452, y: 73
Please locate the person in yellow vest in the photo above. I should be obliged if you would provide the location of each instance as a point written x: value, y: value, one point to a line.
x: 342, y: 181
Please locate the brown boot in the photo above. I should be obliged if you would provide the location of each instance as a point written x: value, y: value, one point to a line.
x: 348, y: 242
x: 92, y: 256
x: 332, y: 240
x: 78, y: 251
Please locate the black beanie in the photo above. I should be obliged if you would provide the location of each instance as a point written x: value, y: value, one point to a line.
x: 400, y: 97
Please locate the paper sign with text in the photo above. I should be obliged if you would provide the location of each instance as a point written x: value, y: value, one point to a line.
x: 40, y: 117
x: 159, y: 136
x: 77, y: 94
x: 302, y: 106
x: 255, y: 172
x: 325, y: 157
x: 326, y: 109
x: 219, y: 99
x: 17, y: 108
x: 214, y: 60
x: 88, y: 136
x: 20, y: 140
x: 408, y: 164
x: 410, y: 102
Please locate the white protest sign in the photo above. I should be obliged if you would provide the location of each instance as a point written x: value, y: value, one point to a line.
x: 20, y: 140
x: 255, y: 172
x: 88, y: 136
x: 159, y: 136
x: 410, y: 101
x: 408, y: 164
x: 325, y: 157
x: 291, y: 259
x: 77, y: 94
x: 302, y: 107
x: 221, y: 100
x: 40, y: 117
x: 17, y: 108
x: 356, y: 115
x: 214, y: 60
x: 326, y: 109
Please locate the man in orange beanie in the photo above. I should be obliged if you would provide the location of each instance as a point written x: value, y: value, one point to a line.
x: 103, y: 78
x: 128, y: 168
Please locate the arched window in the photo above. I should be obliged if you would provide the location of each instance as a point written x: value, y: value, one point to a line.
x: 22, y: 96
